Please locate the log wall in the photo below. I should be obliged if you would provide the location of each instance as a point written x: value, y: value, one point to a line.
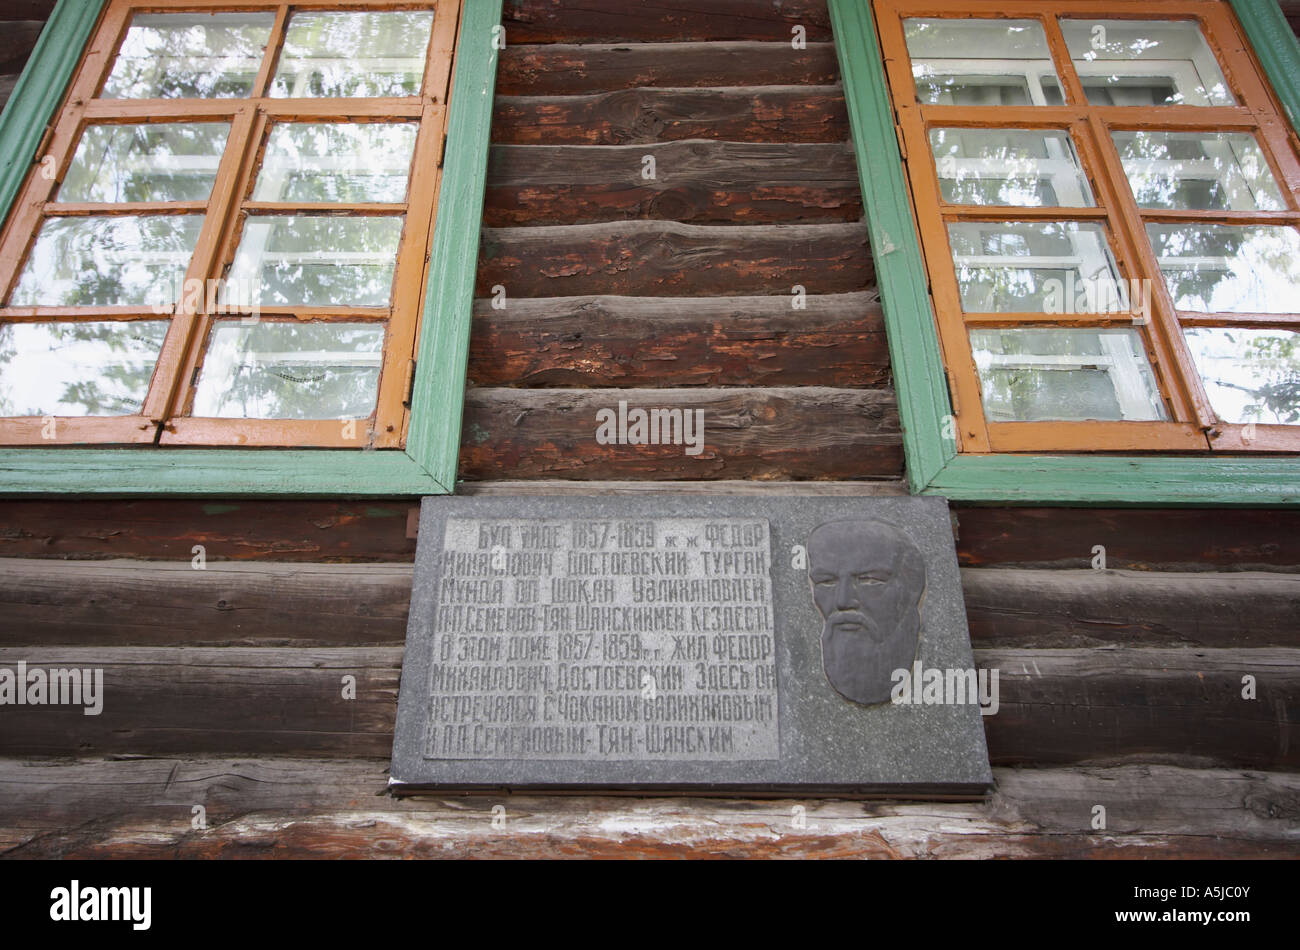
x: 1121, y: 687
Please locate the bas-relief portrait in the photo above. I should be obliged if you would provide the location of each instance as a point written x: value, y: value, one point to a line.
x: 868, y: 582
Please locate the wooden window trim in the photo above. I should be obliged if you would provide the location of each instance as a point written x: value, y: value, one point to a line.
x: 427, y: 463
x: 934, y: 465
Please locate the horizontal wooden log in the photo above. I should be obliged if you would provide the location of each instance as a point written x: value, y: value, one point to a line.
x: 230, y: 700
x: 20, y: 38
x: 564, y: 69
x: 168, y: 529
x: 1056, y: 706
x: 1101, y: 705
x: 667, y: 259
x: 891, y: 488
x: 617, y: 21
x: 836, y: 340
x: 141, y: 603
x: 26, y: 9
x: 697, y: 182
x: 292, y: 808
x: 792, y: 433
x: 1134, y: 538
x: 118, y: 603
x: 645, y: 115
x: 1043, y: 608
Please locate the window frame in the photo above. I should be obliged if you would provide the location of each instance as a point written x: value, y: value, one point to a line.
x: 428, y: 462
x: 934, y: 465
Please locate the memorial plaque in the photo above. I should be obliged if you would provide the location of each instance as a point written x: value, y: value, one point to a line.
x: 736, y: 644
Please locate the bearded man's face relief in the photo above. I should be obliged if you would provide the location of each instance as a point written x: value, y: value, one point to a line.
x: 868, y: 580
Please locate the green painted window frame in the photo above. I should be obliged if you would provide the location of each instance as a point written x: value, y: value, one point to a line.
x: 934, y: 466
x: 427, y: 466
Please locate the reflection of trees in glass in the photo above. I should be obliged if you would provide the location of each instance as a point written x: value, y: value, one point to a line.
x: 1229, y: 269
x: 189, y: 56
x: 1264, y: 366
x: 319, y: 260
x: 167, y: 161
x: 291, y: 371
x: 353, y: 54
x: 108, y: 261
x: 103, y: 367
x: 336, y: 162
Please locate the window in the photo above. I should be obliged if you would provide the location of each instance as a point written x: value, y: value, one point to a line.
x: 1105, y: 195
x: 225, y: 239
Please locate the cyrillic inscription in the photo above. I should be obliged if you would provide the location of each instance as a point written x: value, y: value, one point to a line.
x: 604, y: 640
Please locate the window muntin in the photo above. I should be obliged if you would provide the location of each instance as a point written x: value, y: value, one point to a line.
x: 178, y: 228
x: 1211, y: 158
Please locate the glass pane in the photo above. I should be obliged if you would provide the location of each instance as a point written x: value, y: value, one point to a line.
x: 353, y: 54
x: 1032, y: 266
x: 76, y: 368
x: 189, y: 56
x: 1250, y: 375
x: 171, y: 161
x: 1145, y: 63
x: 1198, y: 171
x: 291, y: 371
x: 1224, y: 268
x: 1009, y: 167
x: 320, y: 260
x: 1039, y: 374
x: 128, y: 260
x: 335, y: 161
x: 981, y: 62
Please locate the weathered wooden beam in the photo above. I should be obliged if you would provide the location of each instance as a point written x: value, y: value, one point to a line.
x: 280, y: 807
x: 667, y: 259
x: 168, y: 529
x: 1056, y: 706
x: 1045, y: 608
x: 698, y: 182
x: 140, y: 603
x: 645, y: 115
x: 835, y: 340
x: 231, y: 700
x: 1067, y: 706
x: 20, y: 38
x: 616, y: 21
x: 121, y: 603
x: 563, y: 69
x: 26, y: 9
x: 788, y: 433
x: 884, y: 487
x: 1133, y: 538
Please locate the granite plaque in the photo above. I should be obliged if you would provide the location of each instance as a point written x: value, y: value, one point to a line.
x: 734, y: 644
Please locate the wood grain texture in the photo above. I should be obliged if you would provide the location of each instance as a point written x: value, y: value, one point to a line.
x: 228, y: 700
x: 1064, y: 706
x: 121, y: 603
x: 646, y: 115
x: 789, y: 433
x: 564, y: 69
x: 289, y: 530
x: 697, y: 182
x: 26, y: 9
x: 837, y: 340
x: 1099, y: 705
x: 616, y: 21
x: 1134, y: 538
x: 20, y: 39
x: 279, y: 807
x: 1044, y: 608
x: 664, y: 258
x: 161, y: 603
